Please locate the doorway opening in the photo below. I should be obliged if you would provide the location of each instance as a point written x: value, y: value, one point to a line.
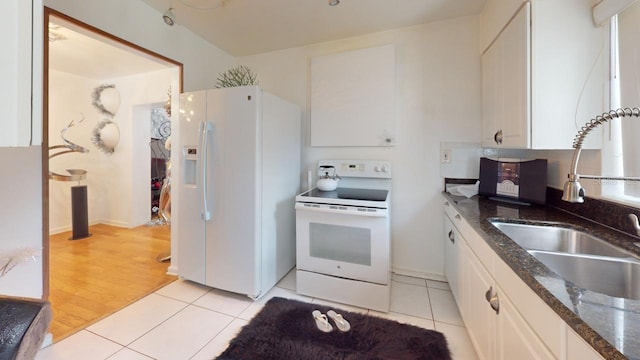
x: 100, y: 94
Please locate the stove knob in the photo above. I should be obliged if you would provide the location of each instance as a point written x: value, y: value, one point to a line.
x: 384, y: 168
x: 377, y: 168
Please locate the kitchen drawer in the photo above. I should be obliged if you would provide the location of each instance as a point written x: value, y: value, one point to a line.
x: 477, y: 244
x: 479, y: 247
x: 449, y: 209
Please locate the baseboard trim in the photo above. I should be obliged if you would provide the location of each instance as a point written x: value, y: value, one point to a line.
x: 418, y: 274
x: 172, y: 270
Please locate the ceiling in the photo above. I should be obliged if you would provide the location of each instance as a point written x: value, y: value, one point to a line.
x: 246, y: 27
x: 80, y: 52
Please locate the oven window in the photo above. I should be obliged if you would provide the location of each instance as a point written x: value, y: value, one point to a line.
x: 340, y: 243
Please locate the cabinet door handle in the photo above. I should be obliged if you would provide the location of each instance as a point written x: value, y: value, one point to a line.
x: 452, y: 237
x: 495, y: 303
x: 497, y: 137
x: 489, y: 293
x: 493, y: 300
x: 458, y: 217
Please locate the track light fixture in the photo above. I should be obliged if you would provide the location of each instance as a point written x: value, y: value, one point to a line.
x: 169, y: 17
x: 333, y: 2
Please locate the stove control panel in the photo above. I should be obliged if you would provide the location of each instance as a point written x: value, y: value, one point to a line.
x: 352, y: 168
x: 359, y: 168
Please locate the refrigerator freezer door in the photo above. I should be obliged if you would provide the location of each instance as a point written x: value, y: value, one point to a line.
x: 191, y: 228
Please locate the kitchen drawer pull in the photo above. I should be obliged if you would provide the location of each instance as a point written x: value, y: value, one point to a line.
x: 498, y: 137
x: 452, y: 236
x: 458, y: 217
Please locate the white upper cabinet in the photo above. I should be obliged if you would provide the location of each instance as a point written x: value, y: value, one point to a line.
x: 544, y: 73
x: 505, y: 86
x: 494, y: 17
x: 353, y: 98
x: 16, y: 74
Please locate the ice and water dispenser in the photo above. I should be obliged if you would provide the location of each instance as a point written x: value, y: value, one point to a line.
x: 190, y: 165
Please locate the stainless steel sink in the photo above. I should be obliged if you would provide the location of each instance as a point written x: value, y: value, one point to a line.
x: 558, y: 239
x: 585, y: 260
x: 610, y: 276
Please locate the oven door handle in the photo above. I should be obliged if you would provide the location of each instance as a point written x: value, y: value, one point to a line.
x: 342, y: 210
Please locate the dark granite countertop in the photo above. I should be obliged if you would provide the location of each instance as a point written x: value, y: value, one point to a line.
x: 611, y: 325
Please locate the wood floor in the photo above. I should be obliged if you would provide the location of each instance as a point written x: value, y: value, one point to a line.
x: 96, y: 276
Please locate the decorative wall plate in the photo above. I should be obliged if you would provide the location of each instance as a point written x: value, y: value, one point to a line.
x: 106, y: 99
x: 106, y: 136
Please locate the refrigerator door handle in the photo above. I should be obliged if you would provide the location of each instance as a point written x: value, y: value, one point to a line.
x: 205, y: 128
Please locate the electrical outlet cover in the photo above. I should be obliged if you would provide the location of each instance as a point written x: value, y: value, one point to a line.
x: 445, y: 156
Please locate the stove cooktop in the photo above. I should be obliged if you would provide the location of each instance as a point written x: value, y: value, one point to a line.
x: 347, y: 196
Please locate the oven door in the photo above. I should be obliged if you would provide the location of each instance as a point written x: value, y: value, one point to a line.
x: 343, y: 241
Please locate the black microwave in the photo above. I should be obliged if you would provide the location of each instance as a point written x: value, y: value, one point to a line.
x: 519, y: 180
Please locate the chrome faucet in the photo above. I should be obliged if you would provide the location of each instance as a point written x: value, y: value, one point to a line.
x: 573, y: 191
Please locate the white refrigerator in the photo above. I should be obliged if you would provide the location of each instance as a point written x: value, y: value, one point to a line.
x: 239, y: 152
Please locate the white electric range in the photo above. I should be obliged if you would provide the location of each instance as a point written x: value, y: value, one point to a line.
x: 343, y: 242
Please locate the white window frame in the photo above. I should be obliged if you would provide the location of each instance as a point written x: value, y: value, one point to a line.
x: 612, y: 153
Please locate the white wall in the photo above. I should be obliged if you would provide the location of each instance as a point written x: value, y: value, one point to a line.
x: 117, y: 184
x: 69, y: 97
x: 128, y: 183
x: 438, y: 99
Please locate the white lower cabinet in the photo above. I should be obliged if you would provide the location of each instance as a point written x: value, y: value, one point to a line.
x: 539, y: 317
x: 453, y: 265
x: 505, y: 319
x: 495, y: 326
x: 577, y: 348
x: 479, y: 317
x: 516, y: 340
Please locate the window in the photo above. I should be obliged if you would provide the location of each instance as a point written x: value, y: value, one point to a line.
x: 621, y: 154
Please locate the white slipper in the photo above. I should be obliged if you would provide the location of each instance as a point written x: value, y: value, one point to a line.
x: 321, y: 321
x: 341, y: 323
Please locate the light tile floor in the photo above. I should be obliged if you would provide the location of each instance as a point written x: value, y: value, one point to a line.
x: 188, y: 321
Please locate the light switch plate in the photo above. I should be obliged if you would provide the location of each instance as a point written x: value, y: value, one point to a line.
x: 460, y: 160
